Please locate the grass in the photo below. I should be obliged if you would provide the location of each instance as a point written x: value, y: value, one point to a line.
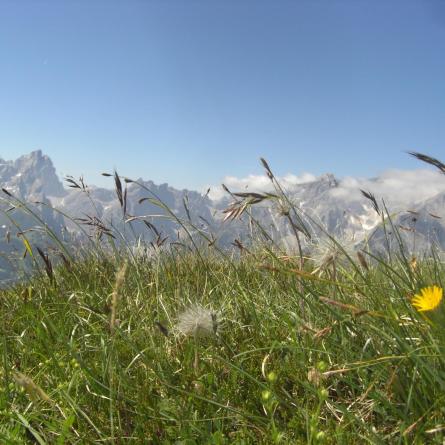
x: 356, y: 365
x: 326, y: 350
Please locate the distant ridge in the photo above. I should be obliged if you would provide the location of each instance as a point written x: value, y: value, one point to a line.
x: 343, y: 212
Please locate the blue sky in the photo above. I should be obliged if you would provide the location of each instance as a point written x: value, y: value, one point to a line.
x: 188, y: 92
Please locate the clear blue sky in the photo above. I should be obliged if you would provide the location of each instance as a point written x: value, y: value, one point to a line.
x: 189, y: 91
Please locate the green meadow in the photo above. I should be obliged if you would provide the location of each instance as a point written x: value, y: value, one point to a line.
x: 175, y: 345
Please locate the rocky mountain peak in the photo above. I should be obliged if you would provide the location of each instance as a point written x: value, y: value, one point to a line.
x: 329, y: 179
x: 32, y: 174
x: 338, y: 208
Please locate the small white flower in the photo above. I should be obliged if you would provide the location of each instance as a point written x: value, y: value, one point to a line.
x: 198, y: 321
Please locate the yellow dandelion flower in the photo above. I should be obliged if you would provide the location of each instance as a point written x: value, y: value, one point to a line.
x: 428, y: 299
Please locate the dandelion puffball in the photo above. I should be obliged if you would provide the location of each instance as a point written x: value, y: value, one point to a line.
x: 197, y: 321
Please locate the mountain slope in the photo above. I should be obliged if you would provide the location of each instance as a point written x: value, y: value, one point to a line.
x: 329, y: 204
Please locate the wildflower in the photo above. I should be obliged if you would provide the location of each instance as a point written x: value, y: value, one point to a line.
x: 328, y: 252
x: 428, y: 299
x: 198, y: 322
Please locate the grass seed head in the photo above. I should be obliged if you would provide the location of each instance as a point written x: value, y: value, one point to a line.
x: 34, y: 391
x: 120, y: 277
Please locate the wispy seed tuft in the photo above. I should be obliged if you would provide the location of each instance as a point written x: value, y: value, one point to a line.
x: 198, y: 321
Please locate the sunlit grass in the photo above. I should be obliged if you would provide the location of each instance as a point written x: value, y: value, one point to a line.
x: 185, y: 343
x: 358, y: 365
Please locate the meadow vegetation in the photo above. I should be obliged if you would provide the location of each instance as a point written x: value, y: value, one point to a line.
x: 189, y: 344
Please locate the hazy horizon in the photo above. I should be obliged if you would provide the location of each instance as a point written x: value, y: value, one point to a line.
x: 407, y: 185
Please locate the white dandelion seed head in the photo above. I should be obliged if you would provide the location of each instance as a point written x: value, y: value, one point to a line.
x: 198, y: 321
x: 326, y: 251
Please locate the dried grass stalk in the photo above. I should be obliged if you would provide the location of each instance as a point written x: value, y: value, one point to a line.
x: 120, y: 277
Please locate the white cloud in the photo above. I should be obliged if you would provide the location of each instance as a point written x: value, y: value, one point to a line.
x: 401, y: 187
x: 258, y: 183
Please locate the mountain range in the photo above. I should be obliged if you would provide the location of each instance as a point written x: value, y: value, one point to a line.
x: 143, y: 210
